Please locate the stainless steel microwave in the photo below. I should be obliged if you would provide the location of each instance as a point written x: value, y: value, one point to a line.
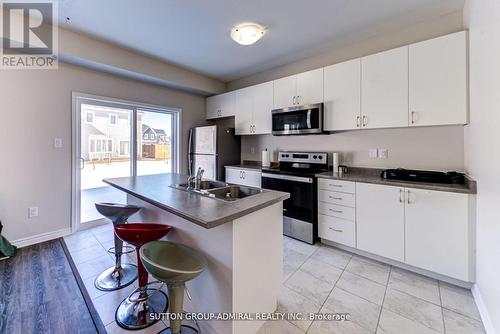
x: 298, y: 120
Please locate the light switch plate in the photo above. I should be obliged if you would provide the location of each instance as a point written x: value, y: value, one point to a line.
x: 33, y: 212
x: 373, y: 153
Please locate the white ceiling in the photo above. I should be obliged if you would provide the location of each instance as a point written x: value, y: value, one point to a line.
x: 195, y: 33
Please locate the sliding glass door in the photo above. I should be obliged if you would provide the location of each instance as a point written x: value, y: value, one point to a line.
x: 118, y: 139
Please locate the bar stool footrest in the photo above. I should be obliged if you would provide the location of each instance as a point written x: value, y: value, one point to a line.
x: 125, y: 250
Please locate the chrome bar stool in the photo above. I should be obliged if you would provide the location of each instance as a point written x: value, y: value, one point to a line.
x: 135, y: 311
x: 173, y: 264
x: 121, y: 275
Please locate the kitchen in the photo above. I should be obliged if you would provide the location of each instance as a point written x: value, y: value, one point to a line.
x: 346, y: 177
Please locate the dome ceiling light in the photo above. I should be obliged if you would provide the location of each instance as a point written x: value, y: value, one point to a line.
x: 247, y: 33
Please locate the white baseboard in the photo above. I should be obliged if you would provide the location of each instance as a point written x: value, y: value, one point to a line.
x: 483, y: 311
x: 23, y: 242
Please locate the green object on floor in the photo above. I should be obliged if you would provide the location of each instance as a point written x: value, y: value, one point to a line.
x: 6, y: 248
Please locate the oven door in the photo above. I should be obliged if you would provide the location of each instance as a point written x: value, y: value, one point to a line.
x: 298, y: 120
x: 299, y: 210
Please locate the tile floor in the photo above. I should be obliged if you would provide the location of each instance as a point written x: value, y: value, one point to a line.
x: 379, y: 298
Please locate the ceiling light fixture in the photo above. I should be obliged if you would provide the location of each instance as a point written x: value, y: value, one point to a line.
x: 247, y: 33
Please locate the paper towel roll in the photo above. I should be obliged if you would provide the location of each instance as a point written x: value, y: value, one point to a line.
x: 336, y: 162
x: 266, y: 159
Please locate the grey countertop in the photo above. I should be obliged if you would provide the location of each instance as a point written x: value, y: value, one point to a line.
x: 199, y: 209
x: 372, y: 175
x: 251, y: 165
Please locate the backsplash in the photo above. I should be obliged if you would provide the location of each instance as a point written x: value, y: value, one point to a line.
x: 438, y: 148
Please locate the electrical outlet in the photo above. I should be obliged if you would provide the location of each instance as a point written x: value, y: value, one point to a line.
x: 252, y: 150
x: 33, y: 212
x: 57, y: 143
x: 383, y: 153
x: 373, y: 153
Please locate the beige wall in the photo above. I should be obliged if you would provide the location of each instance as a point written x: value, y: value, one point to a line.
x: 35, y: 108
x: 438, y: 148
x: 482, y: 159
x: 414, y: 33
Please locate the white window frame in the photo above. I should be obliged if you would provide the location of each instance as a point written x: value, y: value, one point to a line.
x: 120, y: 148
x: 81, y: 98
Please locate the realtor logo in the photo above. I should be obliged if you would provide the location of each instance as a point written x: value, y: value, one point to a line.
x: 29, y: 38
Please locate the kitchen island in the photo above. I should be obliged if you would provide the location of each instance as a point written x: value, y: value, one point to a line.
x: 241, y: 239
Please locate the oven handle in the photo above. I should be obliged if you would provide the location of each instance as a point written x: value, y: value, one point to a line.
x: 309, y: 119
x: 288, y: 177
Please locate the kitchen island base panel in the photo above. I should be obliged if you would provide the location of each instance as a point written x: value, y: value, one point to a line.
x: 244, y: 269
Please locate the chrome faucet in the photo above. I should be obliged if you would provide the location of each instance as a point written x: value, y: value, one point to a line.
x: 196, y: 178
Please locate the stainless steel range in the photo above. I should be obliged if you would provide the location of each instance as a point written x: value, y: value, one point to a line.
x: 295, y: 175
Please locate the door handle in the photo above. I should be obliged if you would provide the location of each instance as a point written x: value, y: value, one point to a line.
x: 365, y: 120
x: 82, y: 165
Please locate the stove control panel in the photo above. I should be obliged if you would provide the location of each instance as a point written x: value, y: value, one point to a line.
x: 304, y: 157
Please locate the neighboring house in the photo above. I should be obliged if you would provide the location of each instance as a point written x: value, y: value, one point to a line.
x: 154, y: 136
x: 106, y: 133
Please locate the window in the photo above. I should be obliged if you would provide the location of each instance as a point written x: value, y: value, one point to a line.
x: 113, y: 119
x: 152, y: 136
x: 124, y: 148
x: 89, y: 117
x: 145, y: 136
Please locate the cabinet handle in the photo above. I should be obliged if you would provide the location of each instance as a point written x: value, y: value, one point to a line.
x: 358, y: 121
x: 298, y: 99
x: 408, y: 197
x: 401, y: 198
x: 250, y: 128
x: 365, y: 120
x: 337, y: 198
x: 333, y: 229
x: 293, y: 99
x: 336, y: 211
x: 244, y: 175
x: 413, y: 113
x: 335, y: 185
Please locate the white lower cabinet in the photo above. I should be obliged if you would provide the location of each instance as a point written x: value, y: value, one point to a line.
x: 380, y: 214
x: 338, y: 230
x: 244, y: 177
x: 437, y: 232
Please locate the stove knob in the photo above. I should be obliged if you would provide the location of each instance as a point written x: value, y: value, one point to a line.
x: 282, y: 155
x: 320, y: 157
x: 288, y: 156
x: 315, y: 157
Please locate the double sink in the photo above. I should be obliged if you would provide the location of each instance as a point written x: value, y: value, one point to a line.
x: 220, y: 190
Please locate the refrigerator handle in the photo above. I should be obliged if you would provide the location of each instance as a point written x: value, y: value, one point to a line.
x: 190, y: 159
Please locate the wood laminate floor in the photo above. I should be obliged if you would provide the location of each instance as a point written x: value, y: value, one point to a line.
x: 40, y: 294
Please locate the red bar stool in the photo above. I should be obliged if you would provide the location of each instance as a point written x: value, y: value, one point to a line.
x: 135, y: 310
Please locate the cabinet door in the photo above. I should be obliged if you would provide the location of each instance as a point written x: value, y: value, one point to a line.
x: 310, y: 87
x: 213, y: 106
x: 227, y: 104
x: 437, y: 232
x: 384, y: 89
x: 285, y: 91
x: 233, y: 175
x: 251, y: 178
x: 380, y: 220
x: 243, y: 111
x: 262, y: 106
x: 438, y: 81
x: 342, y: 96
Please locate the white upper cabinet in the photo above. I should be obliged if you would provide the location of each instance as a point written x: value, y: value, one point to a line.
x: 438, y: 81
x: 243, y: 111
x: 437, y: 232
x: 342, y: 96
x: 384, y: 89
x: 310, y: 87
x: 262, y: 106
x: 380, y: 214
x: 285, y: 90
x: 222, y: 105
x: 300, y: 89
x: 253, y: 109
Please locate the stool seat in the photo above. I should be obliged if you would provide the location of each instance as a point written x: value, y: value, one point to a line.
x: 138, y: 234
x: 116, y: 212
x: 171, y: 262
